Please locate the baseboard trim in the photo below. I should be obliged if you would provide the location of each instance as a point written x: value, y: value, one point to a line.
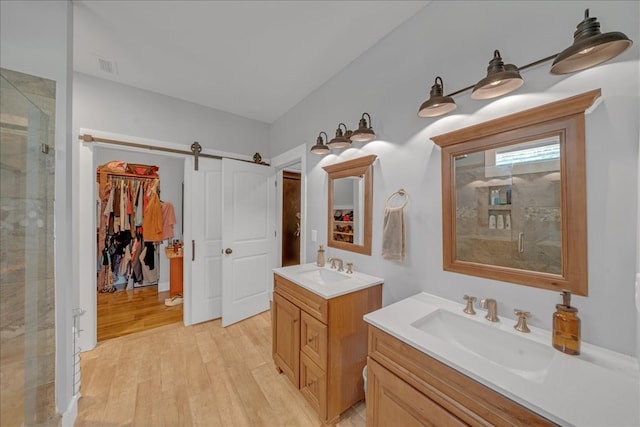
x: 70, y: 415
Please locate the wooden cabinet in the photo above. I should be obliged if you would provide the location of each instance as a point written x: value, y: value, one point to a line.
x: 321, y: 344
x: 286, y: 337
x: 409, y: 388
x: 394, y: 402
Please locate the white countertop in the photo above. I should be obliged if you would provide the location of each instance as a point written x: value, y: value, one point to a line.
x: 344, y: 284
x: 597, y: 388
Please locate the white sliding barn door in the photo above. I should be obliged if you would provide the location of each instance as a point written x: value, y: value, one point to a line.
x: 204, y: 249
x: 248, y: 203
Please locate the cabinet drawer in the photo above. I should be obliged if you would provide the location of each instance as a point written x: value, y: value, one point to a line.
x: 313, y: 339
x: 392, y: 402
x: 460, y: 395
x: 313, y: 385
x: 313, y: 304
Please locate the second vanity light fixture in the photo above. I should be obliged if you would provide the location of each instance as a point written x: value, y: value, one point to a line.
x: 344, y: 138
x: 590, y: 47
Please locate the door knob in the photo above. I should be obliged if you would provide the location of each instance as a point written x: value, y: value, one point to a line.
x: 228, y: 251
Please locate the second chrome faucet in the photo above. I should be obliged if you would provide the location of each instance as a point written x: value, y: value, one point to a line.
x: 491, y: 305
x: 333, y: 262
x: 492, y: 309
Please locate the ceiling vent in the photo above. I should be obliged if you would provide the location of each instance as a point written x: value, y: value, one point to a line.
x: 107, y: 66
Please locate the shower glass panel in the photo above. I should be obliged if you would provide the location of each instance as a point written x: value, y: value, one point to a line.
x: 27, y: 315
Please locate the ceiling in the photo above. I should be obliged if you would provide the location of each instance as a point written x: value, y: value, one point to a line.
x: 256, y: 59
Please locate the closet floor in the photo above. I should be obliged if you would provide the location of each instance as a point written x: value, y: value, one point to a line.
x: 125, y: 312
x: 201, y: 375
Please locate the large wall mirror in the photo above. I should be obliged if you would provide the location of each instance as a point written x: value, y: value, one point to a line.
x: 514, y: 197
x: 350, y: 204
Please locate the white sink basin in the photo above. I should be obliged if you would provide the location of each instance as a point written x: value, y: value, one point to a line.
x: 324, y: 281
x: 597, y: 388
x: 322, y: 276
x: 524, y: 357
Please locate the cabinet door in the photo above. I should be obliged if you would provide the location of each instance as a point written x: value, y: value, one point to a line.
x: 392, y: 402
x: 313, y: 339
x: 286, y: 338
x: 313, y: 385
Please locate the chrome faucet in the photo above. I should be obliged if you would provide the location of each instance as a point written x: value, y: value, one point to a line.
x: 469, y: 308
x: 333, y: 263
x: 492, y: 309
x: 521, y: 326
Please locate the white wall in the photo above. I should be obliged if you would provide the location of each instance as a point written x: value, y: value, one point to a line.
x: 171, y: 173
x: 120, y: 112
x: 455, y: 40
x: 36, y: 38
x: 112, y: 107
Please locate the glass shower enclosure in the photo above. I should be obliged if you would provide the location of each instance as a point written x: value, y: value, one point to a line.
x: 27, y: 305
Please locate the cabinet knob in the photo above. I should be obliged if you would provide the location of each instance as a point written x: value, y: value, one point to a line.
x: 228, y: 251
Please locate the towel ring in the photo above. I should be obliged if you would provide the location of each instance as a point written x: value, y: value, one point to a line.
x: 401, y: 192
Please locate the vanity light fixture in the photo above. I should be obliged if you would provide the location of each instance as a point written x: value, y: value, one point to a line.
x: 341, y: 140
x: 364, y: 133
x: 321, y: 147
x: 437, y: 104
x: 501, y: 79
x: 590, y: 47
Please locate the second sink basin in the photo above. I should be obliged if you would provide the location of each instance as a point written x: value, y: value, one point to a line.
x: 324, y: 281
x: 322, y: 275
x: 516, y: 353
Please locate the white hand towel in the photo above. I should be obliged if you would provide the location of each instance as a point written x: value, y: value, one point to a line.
x: 393, y: 234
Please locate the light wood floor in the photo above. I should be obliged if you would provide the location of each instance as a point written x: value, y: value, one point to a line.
x: 201, y: 375
x: 126, y: 312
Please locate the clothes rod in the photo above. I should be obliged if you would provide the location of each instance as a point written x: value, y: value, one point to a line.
x: 90, y: 138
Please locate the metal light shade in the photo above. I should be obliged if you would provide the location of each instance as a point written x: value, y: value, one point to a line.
x: 340, y: 140
x: 590, y: 47
x: 501, y: 79
x: 364, y: 133
x: 320, y: 147
x: 437, y: 104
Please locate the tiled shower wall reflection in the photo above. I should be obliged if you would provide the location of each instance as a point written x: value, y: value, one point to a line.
x: 533, y: 211
x: 27, y: 314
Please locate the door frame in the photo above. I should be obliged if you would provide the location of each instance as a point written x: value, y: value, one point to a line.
x: 85, y: 216
x: 280, y: 163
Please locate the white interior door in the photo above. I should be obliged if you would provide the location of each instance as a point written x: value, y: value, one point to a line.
x: 248, y: 200
x: 203, y: 250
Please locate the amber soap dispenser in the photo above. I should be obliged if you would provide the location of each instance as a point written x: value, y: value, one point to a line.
x: 566, y: 326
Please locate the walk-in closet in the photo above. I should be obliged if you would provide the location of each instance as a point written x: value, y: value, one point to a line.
x: 139, y: 210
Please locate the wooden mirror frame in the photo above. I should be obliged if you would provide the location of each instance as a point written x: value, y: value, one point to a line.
x: 362, y: 167
x: 565, y: 117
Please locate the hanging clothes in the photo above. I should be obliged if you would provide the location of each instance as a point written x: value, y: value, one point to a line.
x: 168, y: 220
x: 152, y: 216
x: 139, y: 204
x: 123, y: 197
x: 150, y: 273
x: 136, y: 264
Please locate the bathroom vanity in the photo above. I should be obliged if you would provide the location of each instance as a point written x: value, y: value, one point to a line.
x: 319, y: 335
x: 431, y: 364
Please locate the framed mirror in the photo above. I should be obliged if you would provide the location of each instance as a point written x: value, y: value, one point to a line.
x: 350, y: 204
x: 514, y: 197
